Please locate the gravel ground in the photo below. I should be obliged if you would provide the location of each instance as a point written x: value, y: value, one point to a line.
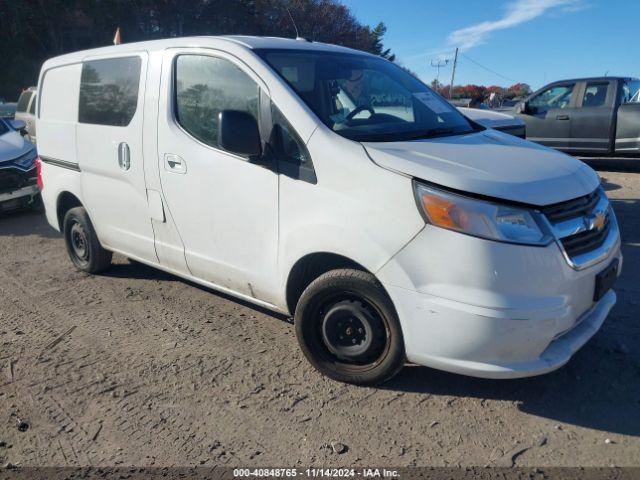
x: 137, y: 367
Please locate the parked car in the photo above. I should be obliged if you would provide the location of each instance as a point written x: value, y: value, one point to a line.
x: 26, y: 109
x: 586, y: 116
x: 393, y: 230
x: 7, y: 111
x: 18, y: 176
x: 497, y: 120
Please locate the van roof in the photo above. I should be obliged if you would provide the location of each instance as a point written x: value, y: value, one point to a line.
x: 242, y: 41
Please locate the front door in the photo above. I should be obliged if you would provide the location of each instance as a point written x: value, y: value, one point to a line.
x: 592, y: 122
x: 548, y: 117
x: 109, y: 147
x: 224, y: 206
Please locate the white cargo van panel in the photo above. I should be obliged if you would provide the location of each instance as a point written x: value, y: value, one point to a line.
x: 58, y: 112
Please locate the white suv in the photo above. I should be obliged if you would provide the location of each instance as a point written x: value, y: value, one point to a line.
x: 390, y: 226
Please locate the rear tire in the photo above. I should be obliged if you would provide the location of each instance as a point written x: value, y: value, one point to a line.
x: 82, y: 243
x: 348, y: 329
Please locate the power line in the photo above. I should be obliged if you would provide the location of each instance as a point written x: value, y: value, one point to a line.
x: 487, y: 68
x: 439, y: 64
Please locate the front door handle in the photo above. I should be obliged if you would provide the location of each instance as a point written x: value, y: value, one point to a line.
x: 124, y: 157
x: 174, y: 163
x: 562, y: 117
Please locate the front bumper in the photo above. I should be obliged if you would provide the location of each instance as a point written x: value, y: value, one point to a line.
x: 489, y: 309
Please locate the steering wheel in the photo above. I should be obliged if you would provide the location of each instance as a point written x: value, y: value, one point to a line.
x: 358, y: 110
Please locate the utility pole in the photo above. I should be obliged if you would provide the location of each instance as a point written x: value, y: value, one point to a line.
x: 438, y: 64
x: 453, y: 74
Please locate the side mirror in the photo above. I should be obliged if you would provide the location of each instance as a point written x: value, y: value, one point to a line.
x: 238, y: 133
x: 20, y: 126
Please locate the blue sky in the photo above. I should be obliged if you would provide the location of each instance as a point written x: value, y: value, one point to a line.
x: 532, y: 41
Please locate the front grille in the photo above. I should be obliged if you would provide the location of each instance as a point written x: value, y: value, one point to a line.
x: 586, y: 241
x: 581, y: 225
x: 12, y: 179
x: 572, y: 209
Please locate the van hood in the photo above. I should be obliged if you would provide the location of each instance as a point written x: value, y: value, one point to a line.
x: 492, y: 164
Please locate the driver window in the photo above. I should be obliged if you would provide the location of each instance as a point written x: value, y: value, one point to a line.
x: 555, y: 97
x: 205, y: 86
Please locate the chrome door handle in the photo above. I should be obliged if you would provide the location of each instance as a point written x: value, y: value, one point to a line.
x: 562, y: 117
x: 124, y: 157
x: 174, y: 163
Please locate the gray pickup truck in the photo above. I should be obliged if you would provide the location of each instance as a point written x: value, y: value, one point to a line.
x: 585, y: 116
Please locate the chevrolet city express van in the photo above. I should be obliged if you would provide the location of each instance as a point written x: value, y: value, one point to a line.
x: 331, y: 185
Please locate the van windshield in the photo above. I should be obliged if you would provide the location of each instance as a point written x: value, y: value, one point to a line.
x: 366, y: 98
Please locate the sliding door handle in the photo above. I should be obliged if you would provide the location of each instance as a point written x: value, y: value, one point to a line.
x: 124, y: 157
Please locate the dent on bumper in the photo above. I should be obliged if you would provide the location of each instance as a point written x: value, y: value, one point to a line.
x: 492, y: 310
x: 555, y: 355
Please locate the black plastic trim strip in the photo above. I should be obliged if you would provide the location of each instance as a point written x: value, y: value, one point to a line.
x: 60, y: 163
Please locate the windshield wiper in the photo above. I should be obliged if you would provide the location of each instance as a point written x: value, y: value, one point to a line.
x: 435, y: 132
x: 404, y: 137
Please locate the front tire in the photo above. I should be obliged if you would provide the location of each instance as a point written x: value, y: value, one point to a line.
x: 82, y: 243
x: 348, y: 329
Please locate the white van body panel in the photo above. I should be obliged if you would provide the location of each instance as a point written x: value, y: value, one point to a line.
x: 59, y: 112
x: 465, y: 304
x: 344, y: 212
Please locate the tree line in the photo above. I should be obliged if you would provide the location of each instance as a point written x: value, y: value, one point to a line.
x: 480, y: 93
x: 33, y: 30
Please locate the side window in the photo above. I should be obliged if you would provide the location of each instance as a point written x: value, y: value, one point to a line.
x: 204, y: 87
x: 290, y: 151
x: 23, y: 101
x: 595, y: 95
x: 631, y: 91
x: 554, y: 97
x: 32, y: 107
x: 109, y: 91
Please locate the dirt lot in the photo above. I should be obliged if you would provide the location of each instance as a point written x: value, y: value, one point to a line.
x: 136, y: 367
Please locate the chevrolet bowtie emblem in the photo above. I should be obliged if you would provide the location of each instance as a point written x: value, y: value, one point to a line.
x: 595, y: 221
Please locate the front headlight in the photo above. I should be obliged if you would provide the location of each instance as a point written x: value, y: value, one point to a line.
x: 480, y: 218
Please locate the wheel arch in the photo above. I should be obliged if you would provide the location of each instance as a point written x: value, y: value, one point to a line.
x: 65, y: 202
x: 309, y: 267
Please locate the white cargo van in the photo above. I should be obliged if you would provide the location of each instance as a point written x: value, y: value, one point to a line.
x: 390, y: 226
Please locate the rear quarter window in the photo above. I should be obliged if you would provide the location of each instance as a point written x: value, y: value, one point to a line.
x: 109, y: 91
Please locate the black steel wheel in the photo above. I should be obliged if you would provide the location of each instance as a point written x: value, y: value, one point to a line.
x: 348, y: 329
x: 82, y: 243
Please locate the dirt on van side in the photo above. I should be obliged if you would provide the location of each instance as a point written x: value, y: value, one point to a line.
x: 137, y: 367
